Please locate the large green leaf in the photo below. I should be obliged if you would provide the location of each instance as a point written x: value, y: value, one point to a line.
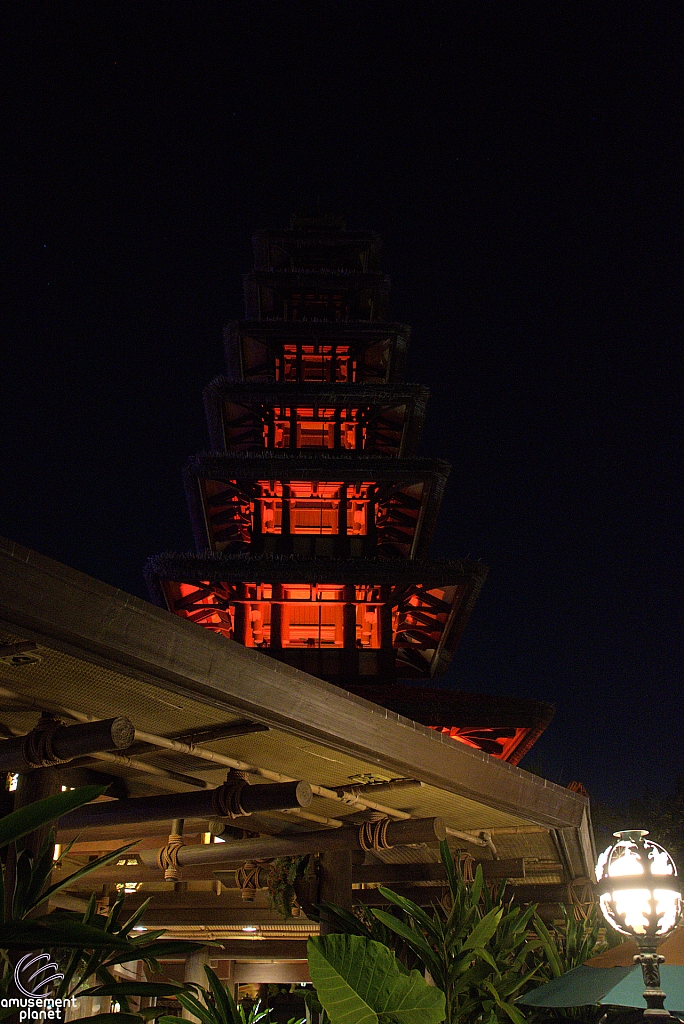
x: 225, y: 1003
x: 484, y: 929
x: 358, y: 981
x: 415, y: 940
x: 27, y: 819
x: 207, y: 1014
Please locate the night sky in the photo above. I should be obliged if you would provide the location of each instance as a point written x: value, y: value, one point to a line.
x: 522, y: 162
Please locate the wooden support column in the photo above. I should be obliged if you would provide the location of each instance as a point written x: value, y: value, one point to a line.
x: 350, y: 657
x: 349, y: 618
x: 335, y: 885
x: 337, y: 430
x: 242, y: 617
x: 276, y: 643
x: 286, y: 520
x: 342, y: 545
x: 270, y: 421
x: 257, y: 528
x: 371, y: 528
x: 385, y: 617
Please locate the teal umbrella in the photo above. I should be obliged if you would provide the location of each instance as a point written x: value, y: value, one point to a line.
x: 609, y: 986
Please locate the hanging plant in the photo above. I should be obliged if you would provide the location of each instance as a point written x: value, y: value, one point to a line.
x: 284, y: 875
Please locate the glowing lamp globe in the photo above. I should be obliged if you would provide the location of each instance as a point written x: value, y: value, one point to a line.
x: 640, y: 894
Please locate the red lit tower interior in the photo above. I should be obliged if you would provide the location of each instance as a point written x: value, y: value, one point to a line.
x: 312, y: 514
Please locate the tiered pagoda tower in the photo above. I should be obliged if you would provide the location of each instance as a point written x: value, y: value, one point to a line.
x: 312, y: 515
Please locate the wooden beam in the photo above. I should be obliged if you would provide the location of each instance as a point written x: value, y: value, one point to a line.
x: 264, y: 949
x: 398, y: 833
x: 206, y: 804
x: 214, y: 916
x: 391, y: 875
x: 223, y: 856
x: 398, y: 874
x: 50, y: 743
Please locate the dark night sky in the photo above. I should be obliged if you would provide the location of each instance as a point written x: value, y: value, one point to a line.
x: 523, y: 164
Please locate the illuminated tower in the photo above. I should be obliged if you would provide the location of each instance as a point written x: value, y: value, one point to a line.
x: 312, y: 515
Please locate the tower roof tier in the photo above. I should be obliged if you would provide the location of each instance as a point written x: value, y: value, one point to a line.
x: 362, y: 619
x: 378, y: 419
x: 505, y: 727
x: 302, y: 352
x: 314, y: 243
x: 316, y: 295
x: 314, y: 504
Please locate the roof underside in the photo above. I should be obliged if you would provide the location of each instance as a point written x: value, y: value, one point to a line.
x: 104, y: 653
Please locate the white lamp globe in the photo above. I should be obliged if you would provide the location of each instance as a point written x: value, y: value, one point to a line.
x: 640, y: 894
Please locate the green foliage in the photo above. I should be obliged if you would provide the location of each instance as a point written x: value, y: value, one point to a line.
x: 475, y: 946
x: 362, y: 922
x: 359, y: 981
x: 282, y: 877
x: 216, y: 1005
x: 21, y: 822
x: 85, y: 945
x: 567, y: 946
x: 571, y: 944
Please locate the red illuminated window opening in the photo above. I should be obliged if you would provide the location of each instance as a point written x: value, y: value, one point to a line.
x: 314, y: 507
x: 332, y: 428
x: 310, y: 615
x: 316, y: 363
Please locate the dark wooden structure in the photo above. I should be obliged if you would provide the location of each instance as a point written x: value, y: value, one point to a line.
x: 312, y: 515
x: 327, y: 771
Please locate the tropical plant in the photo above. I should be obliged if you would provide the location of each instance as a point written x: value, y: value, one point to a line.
x: 475, y: 945
x: 216, y: 1005
x: 283, y: 876
x: 572, y: 943
x: 90, y: 944
x: 360, y: 981
x: 362, y: 922
x: 568, y: 945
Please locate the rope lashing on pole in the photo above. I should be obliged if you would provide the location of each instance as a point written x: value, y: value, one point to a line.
x: 167, y: 858
x: 36, y: 746
x: 226, y: 799
x: 373, y: 835
x: 247, y: 879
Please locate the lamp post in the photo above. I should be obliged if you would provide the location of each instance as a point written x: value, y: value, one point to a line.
x: 641, y: 897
